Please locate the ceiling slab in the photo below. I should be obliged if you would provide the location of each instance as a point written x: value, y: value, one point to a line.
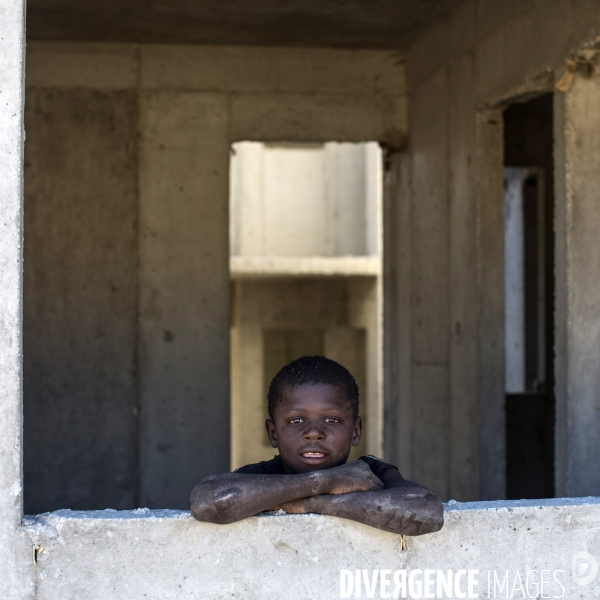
x: 391, y: 24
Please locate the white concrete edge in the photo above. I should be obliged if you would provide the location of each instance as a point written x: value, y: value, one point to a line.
x: 241, y: 267
x: 32, y: 523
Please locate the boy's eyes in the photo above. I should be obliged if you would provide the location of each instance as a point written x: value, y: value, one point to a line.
x: 298, y: 420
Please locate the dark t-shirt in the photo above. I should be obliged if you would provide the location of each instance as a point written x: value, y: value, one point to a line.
x: 275, y: 466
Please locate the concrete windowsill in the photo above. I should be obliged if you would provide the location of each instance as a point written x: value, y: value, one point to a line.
x: 166, y: 554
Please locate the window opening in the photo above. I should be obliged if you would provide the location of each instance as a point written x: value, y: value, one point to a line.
x: 305, y: 240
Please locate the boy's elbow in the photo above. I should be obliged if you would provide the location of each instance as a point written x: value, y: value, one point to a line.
x: 213, y: 506
x: 433, y: 514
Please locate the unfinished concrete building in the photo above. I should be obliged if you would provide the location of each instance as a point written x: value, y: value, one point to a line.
x: 466, y: 299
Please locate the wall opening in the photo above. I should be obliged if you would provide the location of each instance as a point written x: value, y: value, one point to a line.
x: 529, y: 298
x: 305, y: 239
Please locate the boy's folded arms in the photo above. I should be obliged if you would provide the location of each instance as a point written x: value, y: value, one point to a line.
x: 314, y: 422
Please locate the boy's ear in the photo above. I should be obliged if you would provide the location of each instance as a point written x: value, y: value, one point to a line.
x: 357, y: 431
x: 271, y: 432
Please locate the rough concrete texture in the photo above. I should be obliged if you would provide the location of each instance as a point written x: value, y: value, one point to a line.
x: 158, y: 204
x: 578, y: 295
x: 463, y: 414
x: 489, y: 289
x: 184, y: 294
x: 318, y: 23
x: 15, y: 580
x: 460, y: 74
x: 397, y: 313
x: 239, y: 69
x: 80, y: 299
x: 165, y: 554
x: 429, y: 288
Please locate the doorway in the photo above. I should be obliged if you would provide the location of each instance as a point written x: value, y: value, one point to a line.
x: 529, y: 297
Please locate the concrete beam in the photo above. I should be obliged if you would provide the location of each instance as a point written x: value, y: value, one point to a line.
x: 16, y: 577
x: 238, y: 69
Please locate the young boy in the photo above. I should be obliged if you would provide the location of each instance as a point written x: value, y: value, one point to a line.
x: 314, y: 421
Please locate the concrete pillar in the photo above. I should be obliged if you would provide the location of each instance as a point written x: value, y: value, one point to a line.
x: 462, y: 220
x: 489, y: 187
x: 429, y: 286
x: 15, y: 570
x: 184, y: 294
x: 577, y: 164
x: 397, y: 244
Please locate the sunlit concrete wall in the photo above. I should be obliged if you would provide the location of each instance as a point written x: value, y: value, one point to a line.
x: 165, y: 554
x: 305, y: 199
x: 127, y: 278
x: 448, y: 224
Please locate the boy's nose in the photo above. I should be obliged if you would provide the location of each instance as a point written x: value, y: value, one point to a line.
x: 313, y: 432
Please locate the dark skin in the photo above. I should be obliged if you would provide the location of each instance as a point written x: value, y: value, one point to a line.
x: 314, y: 429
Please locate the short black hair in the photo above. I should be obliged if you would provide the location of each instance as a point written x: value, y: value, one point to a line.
x: 313, y: 369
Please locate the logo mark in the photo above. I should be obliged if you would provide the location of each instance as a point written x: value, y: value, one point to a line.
x: 585, y: 568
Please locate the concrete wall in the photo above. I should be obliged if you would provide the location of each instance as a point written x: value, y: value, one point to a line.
x: 460, y: 75
x: 80, y: 299
x: 305, y: 199
x: 165, y: 554
x: 127, y: 282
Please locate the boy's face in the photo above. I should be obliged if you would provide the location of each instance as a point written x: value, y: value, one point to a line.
x: 313, y: 427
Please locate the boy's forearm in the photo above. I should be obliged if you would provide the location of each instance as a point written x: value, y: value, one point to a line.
x: 393, y: 510
x: 234, y: 496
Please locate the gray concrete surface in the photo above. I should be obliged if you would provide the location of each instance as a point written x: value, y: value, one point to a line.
x: 15, y: 568
x: 462, y: 284
x: 184, y: 294
x: 578, y: 294
x: 318, y: 23
x: 80, y: 299
x: 166, y: 554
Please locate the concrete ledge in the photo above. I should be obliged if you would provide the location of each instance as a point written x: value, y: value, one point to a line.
x: 251, y: 267
x: 166, y: 554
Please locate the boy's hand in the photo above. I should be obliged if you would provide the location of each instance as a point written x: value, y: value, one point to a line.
x: 296, y: 507
x: 355, y: 476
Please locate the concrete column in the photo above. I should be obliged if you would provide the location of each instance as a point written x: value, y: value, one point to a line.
x: 397, y: 422
x: 15, y: 564
x: 429, y: 286
x: 489, y: 186
x: 184, y: 294
x: 577, y: 139
x: 462, y: 219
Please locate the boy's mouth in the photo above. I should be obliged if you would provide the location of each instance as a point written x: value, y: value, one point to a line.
x: 313, y: 458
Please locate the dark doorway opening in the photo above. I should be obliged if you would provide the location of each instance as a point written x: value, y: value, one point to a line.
x: 529, y: 297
